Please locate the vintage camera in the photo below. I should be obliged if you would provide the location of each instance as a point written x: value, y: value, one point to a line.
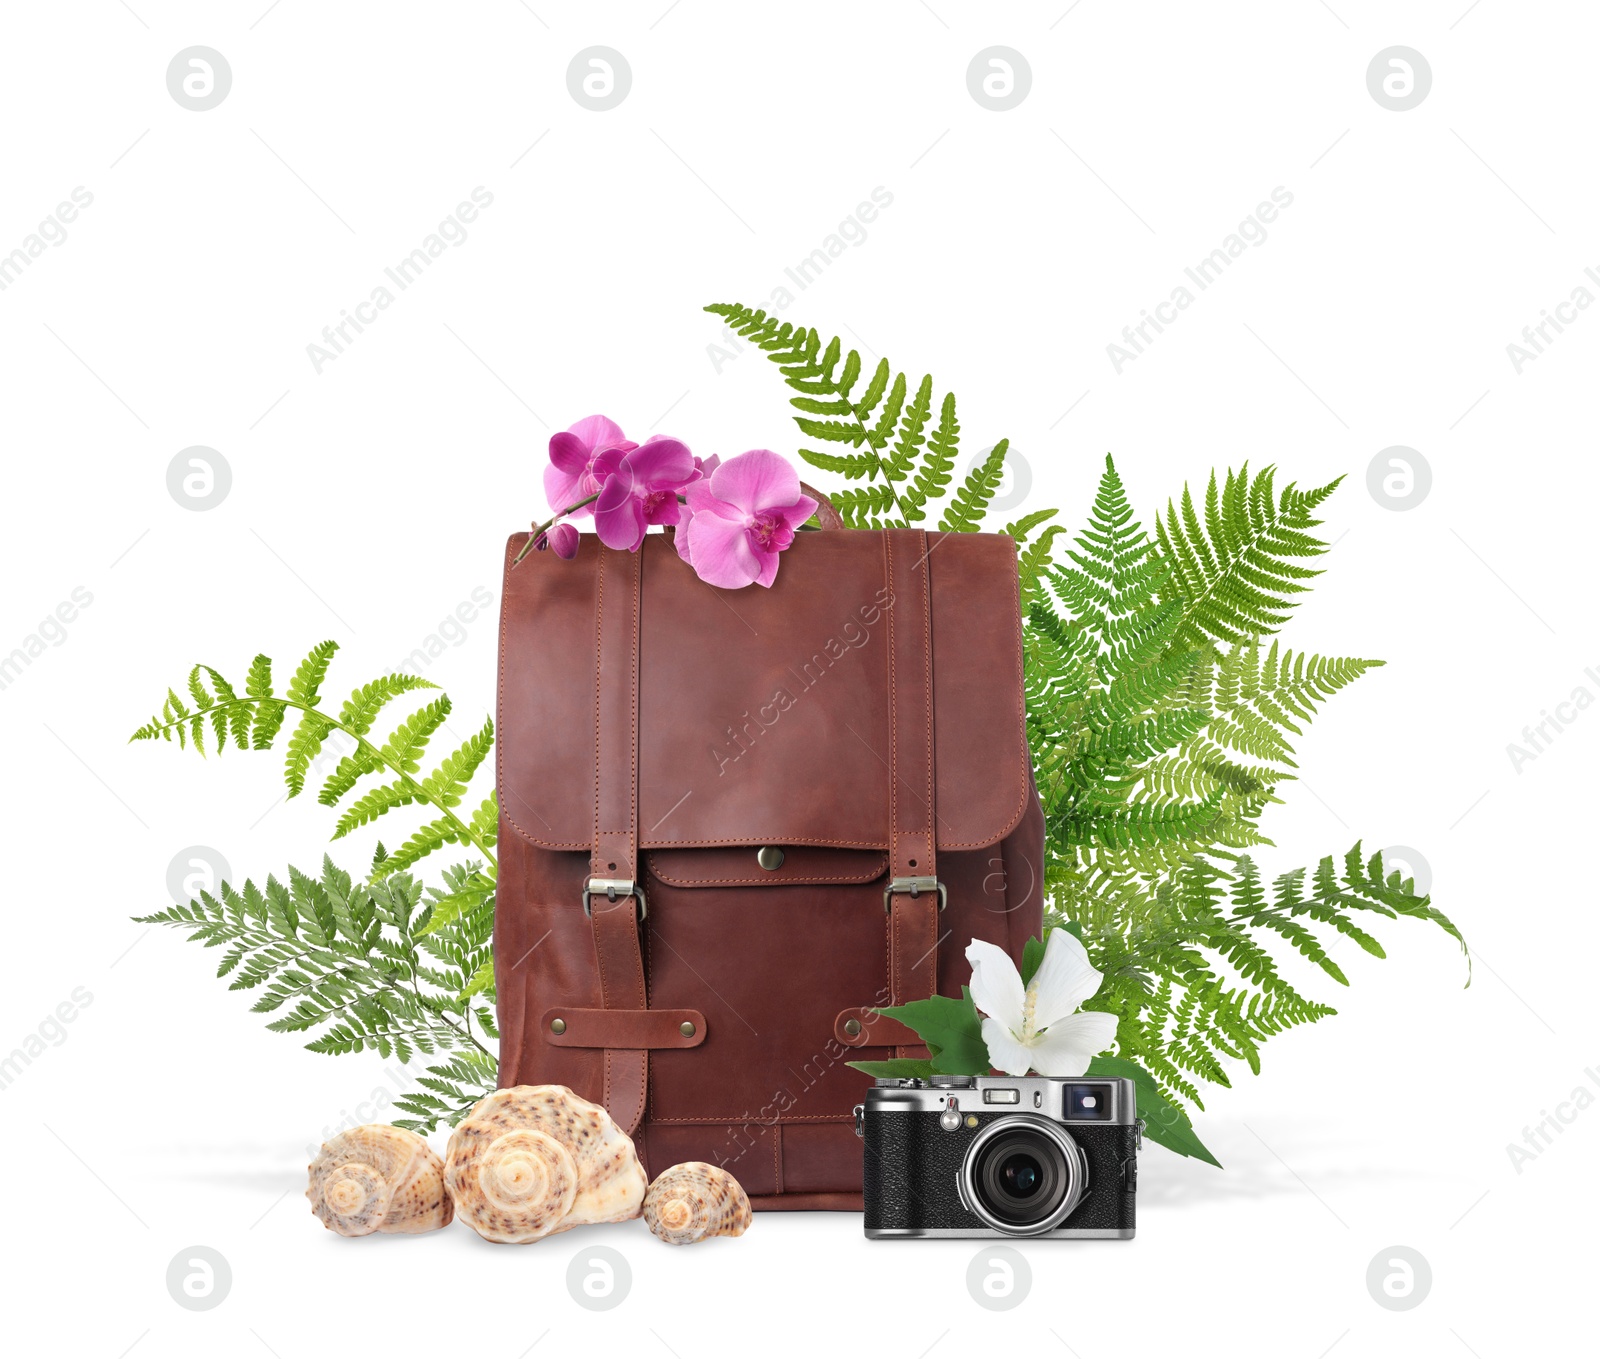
x: 999, y: 1156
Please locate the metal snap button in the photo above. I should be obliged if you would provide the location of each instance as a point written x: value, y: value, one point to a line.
x: 770, y: 857
x: 558, y: 1026
x: 852, y: 1027
x: 686, y: 1029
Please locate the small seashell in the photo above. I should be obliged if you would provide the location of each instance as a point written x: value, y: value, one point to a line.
x: 535, y: 1159
x: 378, y: 1178
x: 694, y: 1202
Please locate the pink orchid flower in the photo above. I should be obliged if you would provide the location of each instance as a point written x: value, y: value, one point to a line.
x: 741, y: 517
x: 596, y: 470
x: 571, y: 476
x: 639, y: 487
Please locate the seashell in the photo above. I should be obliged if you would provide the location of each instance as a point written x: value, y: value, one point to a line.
x: 378, y: 1178
x: 694, y: 1202
x: 535, y: 1159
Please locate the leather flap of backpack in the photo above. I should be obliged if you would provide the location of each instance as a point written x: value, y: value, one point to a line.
x: 763, y: 713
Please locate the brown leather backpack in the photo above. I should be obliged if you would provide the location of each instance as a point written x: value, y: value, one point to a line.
x: 733, y: 822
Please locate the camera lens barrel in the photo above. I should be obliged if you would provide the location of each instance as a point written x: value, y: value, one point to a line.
x: 1023, y: 1176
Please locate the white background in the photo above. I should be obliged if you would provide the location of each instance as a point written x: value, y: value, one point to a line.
x: 370, y: 499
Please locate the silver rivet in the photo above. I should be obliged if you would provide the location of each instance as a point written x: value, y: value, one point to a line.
x: 852, y: 1027
x: 770, y: 857
x: 686, y: 1029
x: 558, y: 1026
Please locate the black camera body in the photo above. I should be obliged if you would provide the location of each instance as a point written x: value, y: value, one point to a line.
x: 997, y: 1156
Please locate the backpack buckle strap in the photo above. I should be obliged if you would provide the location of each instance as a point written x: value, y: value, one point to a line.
x: 914, y: 887
x: 909, y: 900
x: 611, y: 889
x: 613, y: 874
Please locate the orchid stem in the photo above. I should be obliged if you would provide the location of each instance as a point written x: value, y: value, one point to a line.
x: 539, y: 530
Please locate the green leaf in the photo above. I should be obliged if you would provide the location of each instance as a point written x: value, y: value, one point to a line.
x: 952, y: 1026
x: 1032, y: 956
x: 482, y: 980
x: 449, y: 908
x: 896, y: 1068
x: 1021, y: 528
x: 1164, y: 1122
x: 308, y: 676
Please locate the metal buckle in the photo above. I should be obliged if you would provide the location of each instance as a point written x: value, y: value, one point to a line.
x: 612, y: 888
x: 913, y: 887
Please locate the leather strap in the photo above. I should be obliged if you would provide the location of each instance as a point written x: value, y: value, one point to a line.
x: 828, y: 515
x: 623, y: 1028
x: 913, y: 920
x: 616, y: 922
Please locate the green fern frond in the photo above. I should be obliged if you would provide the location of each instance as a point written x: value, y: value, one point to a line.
x: 309, y: 674
x: 1021, y: 528
x: 431, y: 836
x: 864, y: 506
x: 907, y: 468
x: 1238, y: 572
x: 449, y: 1091
x: 965, y: 512
x: 937, y: 467
x: 1186, y: 970
x: 1034, y: 558
x: 907, y: 444
x: 448, y: 783
x: 365, y: 703
x: 851, y: 466
x: 346, y: 964
x: 375, y: 803
x: 255, y: 717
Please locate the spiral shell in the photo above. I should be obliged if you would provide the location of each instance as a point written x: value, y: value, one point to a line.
x: 378, y: 1178
x: 535, y: 1159
x: 694, y: 1202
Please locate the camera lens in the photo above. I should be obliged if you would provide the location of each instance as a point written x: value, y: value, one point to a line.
x: 1022, y: 1175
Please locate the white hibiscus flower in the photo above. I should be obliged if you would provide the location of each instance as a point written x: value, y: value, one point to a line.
x: 1037, y: 1027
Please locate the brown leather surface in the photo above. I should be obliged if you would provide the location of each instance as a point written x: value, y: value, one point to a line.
x: 763, y: 714
x: 873, y: 1029
x: 737, y: 867
x: 806, y: 1203
x: 773, y: 961
x: 622, y: 1028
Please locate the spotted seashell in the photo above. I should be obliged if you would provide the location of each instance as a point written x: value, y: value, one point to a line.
x: 378, y: 1178
x: 694, y: 1202
x: 535, y: 1159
